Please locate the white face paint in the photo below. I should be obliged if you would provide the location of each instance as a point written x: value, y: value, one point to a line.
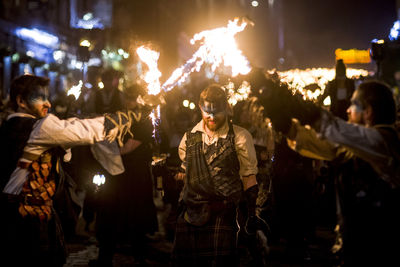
x: 213, y: 118
x: 38, y: 103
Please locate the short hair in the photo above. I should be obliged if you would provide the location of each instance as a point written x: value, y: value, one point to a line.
x: 380, y: 97
x: 24, y: 85
x: 215, y: 94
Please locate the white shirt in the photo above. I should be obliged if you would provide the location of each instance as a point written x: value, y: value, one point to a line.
x: 337, y: 136
x: 244, y: 146
x: 50, y: 132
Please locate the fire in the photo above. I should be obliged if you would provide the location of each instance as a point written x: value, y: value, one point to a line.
x: 75, y: 90
x: 299, y: 80
x: 218, y: 46
x: 152, y: 76
x: 240, y: 94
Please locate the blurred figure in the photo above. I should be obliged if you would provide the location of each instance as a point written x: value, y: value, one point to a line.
x: 366, y: 150
x: 126, y: 212
x: 109, y: 98
x: 340, y: 91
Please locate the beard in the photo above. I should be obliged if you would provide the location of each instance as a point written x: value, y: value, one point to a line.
x: 215, y: 124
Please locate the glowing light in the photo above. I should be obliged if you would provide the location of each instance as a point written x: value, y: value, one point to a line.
x: 88, y: 16
x: 327, y: 101
x: 15, y: 57
x: 58, y: 55
x: 30, y: 53
x: 100, y: 85
x: 99, y: 179
x: 381, y: 41
x: 185, y: 103
x: 394, y: 32
x: 75, y: 90
x: 38, y: 36
x: 85, y: 43
x: 254, y: 3
x: 88, y: 85
x: 217, y: 46
x: 311, y: 83
x: 95, y: 61
x: 192, y: 105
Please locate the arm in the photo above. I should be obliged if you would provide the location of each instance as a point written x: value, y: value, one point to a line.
x: 306, y: 142
x: 365, y: 142
x: 182, y: 155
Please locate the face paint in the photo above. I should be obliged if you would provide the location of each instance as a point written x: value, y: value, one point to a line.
x: 211, y: 109
x: 38, y: 96
x: 213, y: 116
x: 38, y: 103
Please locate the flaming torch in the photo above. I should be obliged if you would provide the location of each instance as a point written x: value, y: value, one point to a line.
x: 218, y: 46
x: 152, y: 78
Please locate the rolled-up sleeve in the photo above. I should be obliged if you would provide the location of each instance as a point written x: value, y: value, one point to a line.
x: 51, y: 131
x: 245, y: 151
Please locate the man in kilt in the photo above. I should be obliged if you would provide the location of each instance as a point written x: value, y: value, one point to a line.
x: 220, y: 166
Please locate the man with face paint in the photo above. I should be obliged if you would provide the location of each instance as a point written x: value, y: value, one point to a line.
x: 33, y: 142
x: 220, y: 165
x: 365, y: 151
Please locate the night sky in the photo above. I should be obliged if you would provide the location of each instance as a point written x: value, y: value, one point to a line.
x: 314, y: 29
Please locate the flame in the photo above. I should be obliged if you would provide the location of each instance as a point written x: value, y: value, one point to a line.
x: 75, y: 90
x: 240, y: 94
x: 298, y: 79
x: 218, y: 46
x: 152, y: 76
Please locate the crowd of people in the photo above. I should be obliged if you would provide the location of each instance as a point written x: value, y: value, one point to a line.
x: 237, y: 180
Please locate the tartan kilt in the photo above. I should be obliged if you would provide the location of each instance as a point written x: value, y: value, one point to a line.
x: 212, y: 244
